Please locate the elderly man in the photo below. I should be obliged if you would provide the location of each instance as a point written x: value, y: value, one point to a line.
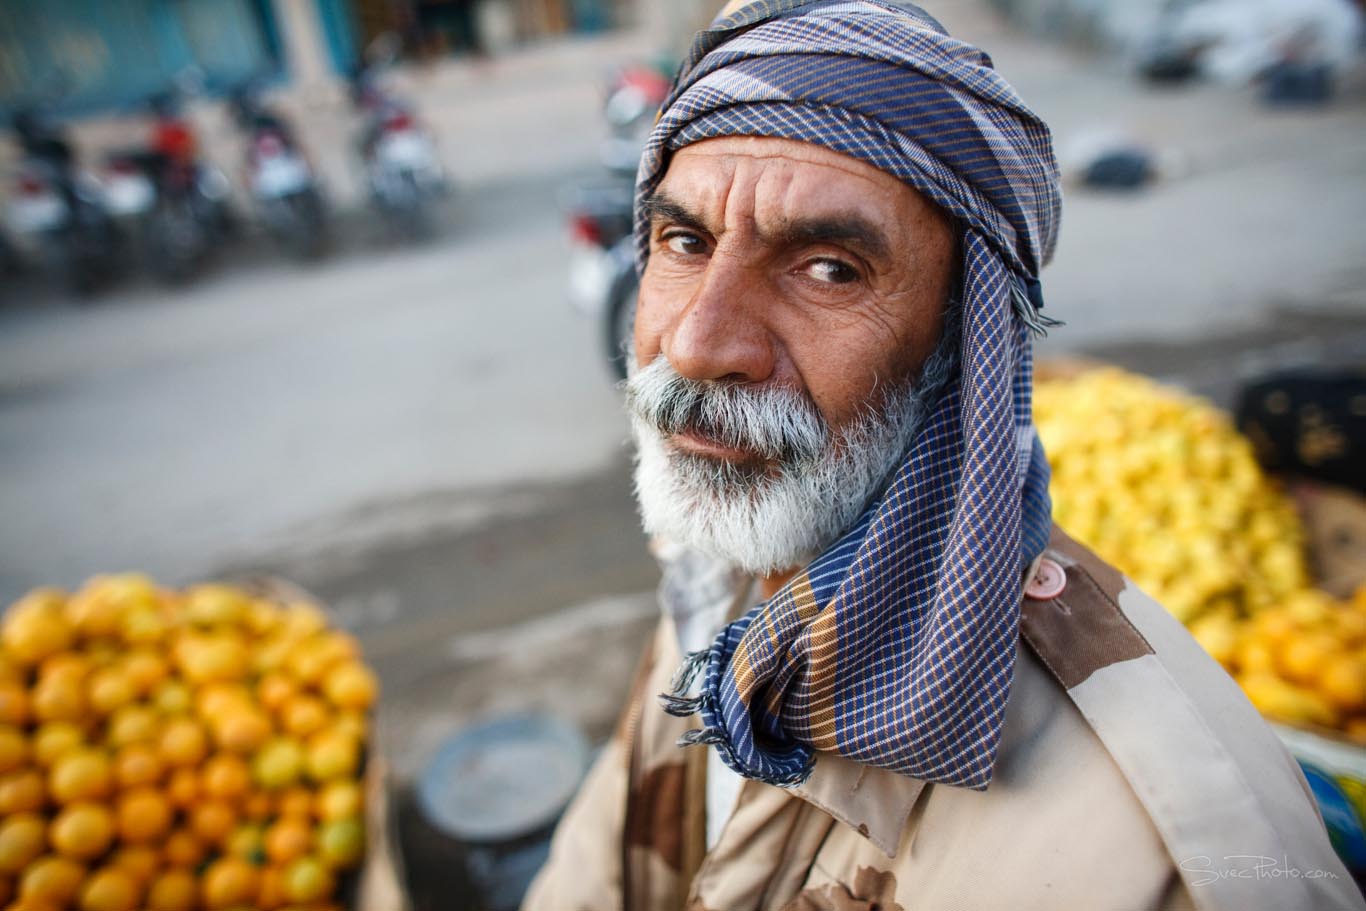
x: 902, y: 687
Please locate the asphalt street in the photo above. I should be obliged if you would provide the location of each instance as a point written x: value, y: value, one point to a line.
x: 427, y: 436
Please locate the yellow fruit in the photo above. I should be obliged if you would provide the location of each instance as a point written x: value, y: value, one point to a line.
x: 308, y: 662
x: 144, y: 815
x: 229, y: 882
x: 341, y: 843
x: 55, y: 739
x: 182, y: 788
x: 339, y: 800
x: 296, y: 802
x: 14, y: 748
x: 278, y: 764
x: 138, y: 765
x: 247, y: 843
x: 350, y: 724
x: 183, y: 742
x: 173, y: 697
x: 83, y: 831
x: 241, y: 730
x: 1301, y: 658
x: 110, y: 889
x: 174, y: 890
x: 144, y: 626
x: 1218, y: 635
x: 287, y: 839
x: 351, y: 686
x: 133, y: 724
x: 142, y: 862
x: 146, y: 670
x: 1286, y: 702
x: 82, y: 774
x: 307, y: 880
x: 35, y: 627
x: 14, y: 703
x: 59, y: 698
x: 215, y: 605
x: 52, y: 879
x: 331, y: 756
x: 302, y: 619
x: 213, y: 700
x: 222, y: 657
x: 21, y: 791
x: 275, y: 690
x: 23, y: 838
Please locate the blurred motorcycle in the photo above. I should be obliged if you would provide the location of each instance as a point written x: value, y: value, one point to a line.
x: 57, y: 210
x: 283, y: 185
x: 403, y: 173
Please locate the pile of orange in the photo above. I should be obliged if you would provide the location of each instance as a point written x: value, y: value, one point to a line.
x: 168, y: 751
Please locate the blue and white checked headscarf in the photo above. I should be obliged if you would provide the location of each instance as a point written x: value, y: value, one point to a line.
x: 896, y: 646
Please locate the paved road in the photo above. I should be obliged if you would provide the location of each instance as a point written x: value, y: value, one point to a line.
x: 427, y: 436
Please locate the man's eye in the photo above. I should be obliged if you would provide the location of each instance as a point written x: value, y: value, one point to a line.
x: 831, y: 271
x: 684, y: 243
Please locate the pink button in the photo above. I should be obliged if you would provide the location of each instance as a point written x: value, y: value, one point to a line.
x: 1048, y: 581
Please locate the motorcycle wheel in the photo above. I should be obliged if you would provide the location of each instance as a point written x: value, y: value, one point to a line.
x: 620, y: 327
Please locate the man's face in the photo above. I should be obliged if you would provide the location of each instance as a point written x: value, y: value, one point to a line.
x: 791, y: 299
x: 776, y: 262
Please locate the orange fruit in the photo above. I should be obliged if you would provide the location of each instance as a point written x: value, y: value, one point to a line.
x: 1301, y: 657
x: 229, y: 882
x: 81, y: 774
x: 262, y: 617
x: 82, y: 830
x: 339, y: 800
x: 144, y: 626
x: 271, y: 892
x: 14, y: 703
x: 350, y: 724
x: 69, y: 665
x: 287, y: 839
x: 55, y: 739
x: 22, y: 791
x: 215, y: 699
x: 303, y: 619
x: 133, y: 724
x: 183, y: 849
x: 182, y: 788
x: 212, y: 821
x: 258, y: 806
x: 174, y: 890
x: 35, y: 627
x: 144, y: 815
x: 274, y: 690
x: 138, y: 764
x: 23, y: 838
x: 1342, y: 681
x: 341, y: 843
x: 269, y: 656
x: 146, y: 669
x: 183, y: 742
x: 308, y: 662
x: 307, y: 880
x: 241, y: 730
x: 330, y: 755
x: 52, y: 879
x: 225, y: 777
x: 93, y: 616
x: 304, y: 715
x: 297, y: 802
x: 59, y: 698
x: 173, y: 697
x: 110, y: 889
x: 142, y: 861
x: 278, y: 764
x: 14, y: 748
x: 351, y: 686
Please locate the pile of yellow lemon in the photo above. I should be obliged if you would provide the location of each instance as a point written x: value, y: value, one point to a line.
x: 1161, y: 484
x: 168, y: 751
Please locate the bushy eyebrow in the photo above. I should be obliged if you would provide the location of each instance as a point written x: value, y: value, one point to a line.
x: 850, y: 229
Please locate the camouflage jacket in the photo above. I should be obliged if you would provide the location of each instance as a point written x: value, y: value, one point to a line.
x: 1132, y: 774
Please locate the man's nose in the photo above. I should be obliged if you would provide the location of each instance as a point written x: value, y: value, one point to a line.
x: 720, y: 332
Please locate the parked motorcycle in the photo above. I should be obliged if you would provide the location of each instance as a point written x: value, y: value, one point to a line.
x: 57, y: 209
x: 190, y: 215
x: 281, y: 180
x: 403, y: 173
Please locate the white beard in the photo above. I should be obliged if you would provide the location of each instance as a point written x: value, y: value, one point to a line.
x: 816, y: 481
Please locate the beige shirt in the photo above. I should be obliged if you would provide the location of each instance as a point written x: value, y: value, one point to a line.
x: 1131, y: 774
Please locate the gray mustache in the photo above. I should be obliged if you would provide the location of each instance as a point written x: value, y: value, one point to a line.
x: 775, y: 423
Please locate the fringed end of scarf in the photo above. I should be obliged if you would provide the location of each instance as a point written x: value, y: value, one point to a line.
x: 1027, y: 296
x: 680, y: 706
x: 688, y: 672
x: 702, y: 737
x: 793, y: 779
